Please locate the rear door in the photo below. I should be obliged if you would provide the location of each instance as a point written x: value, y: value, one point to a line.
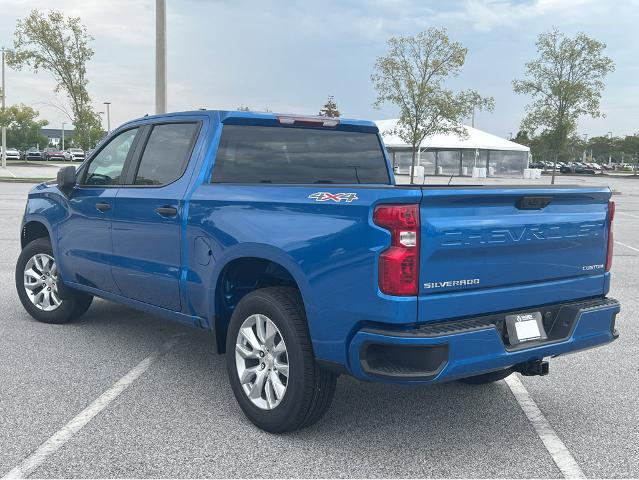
x: 148, y: 215
x: 489, y: 249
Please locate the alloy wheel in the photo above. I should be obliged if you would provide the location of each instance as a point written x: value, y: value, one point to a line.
x: 262, y: 361
x: 41, y: 282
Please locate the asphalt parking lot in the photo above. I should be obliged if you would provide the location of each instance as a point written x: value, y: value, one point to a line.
x: 179, y: 418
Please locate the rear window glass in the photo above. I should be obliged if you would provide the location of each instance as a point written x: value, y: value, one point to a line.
x: 165, y: 154
x: 253, y: 154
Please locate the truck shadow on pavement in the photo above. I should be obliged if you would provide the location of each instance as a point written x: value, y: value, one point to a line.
x: 370, y: 429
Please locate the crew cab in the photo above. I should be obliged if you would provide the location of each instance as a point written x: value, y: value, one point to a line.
x: 288, y: 239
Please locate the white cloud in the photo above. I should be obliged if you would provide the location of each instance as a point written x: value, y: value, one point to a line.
x: 485, y: 16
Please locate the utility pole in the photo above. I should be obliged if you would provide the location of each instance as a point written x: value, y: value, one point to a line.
x: 585, y: 135
x: 63, y: 124
x: 610, y: 150
x: 160, y: 56
x: 108, y: 104
x: 4, y: 127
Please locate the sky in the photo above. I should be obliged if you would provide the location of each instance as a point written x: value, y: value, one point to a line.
x: 288, y: 56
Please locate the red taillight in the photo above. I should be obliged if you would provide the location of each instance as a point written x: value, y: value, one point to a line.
x: 611, y: 241
x: 399, y: 264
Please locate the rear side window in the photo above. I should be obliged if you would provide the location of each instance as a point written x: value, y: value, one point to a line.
x: 253, y: 154
x: 166, y: 153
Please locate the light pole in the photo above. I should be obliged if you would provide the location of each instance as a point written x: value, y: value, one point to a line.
x: 63, y: 124
x: 585, y: 135
x: 4, y: 127
x: 610, y: 150
x: 160, y: 56
x: 108, y: 104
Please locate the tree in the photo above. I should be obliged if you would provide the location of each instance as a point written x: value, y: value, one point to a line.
x: 330, y: 108
x: 60, y: 46
x: 412, y: 74
x: 630, y: 146
x: 601, y: 147
x: 23, y: 128
x: 522, y: 138
x: 565, y: 82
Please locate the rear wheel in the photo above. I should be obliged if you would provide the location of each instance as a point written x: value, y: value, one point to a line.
x: 487, y: 377
x: 40, y: 289
x: 270, y: 362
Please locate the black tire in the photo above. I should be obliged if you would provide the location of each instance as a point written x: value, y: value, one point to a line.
x: 310, y: 389
x: 73, y: 303
x: 487, y: 377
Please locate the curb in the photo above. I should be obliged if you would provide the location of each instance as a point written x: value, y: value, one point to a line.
x: 23, y: 180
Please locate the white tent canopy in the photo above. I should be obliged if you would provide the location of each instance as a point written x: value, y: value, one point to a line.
x: 475, y: 139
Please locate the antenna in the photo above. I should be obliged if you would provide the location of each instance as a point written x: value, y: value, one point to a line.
x: 450, y: 179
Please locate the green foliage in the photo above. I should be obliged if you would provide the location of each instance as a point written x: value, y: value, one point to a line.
x: 522, y: 138
x: 598, y: 148
x: 412, y: 75
x: 59, y: 45
x: 565, y: 82
x: 330, y: 108
x: 23, y: 127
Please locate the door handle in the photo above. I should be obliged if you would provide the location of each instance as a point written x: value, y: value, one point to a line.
x: 103, y: 207
x: 167, y: 211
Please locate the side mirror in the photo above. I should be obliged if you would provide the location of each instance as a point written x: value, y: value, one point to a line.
x: 66, y: 179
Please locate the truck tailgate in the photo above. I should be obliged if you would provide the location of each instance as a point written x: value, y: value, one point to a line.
x: 492, y: 249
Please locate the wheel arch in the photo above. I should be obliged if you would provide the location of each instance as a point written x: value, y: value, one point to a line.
x: 243, y: 273
x: 33, y: 229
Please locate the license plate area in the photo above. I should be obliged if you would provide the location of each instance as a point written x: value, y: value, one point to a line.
x: 525, y: 327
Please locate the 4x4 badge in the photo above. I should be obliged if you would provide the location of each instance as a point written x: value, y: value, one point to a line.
x: 335, y: 197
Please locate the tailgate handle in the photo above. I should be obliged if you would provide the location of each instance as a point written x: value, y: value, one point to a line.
x: 533, y: 203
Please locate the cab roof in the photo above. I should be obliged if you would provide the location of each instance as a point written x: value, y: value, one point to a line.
x: 271, y: 119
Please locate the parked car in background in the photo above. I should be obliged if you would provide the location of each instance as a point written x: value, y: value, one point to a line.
x: 578, y: 168
x: 33, y: 154
x: 74, y: 154
x: 12, y: 154
x: 53, y: 153
x: 89, y: 152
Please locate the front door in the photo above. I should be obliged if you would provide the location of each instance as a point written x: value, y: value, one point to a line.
x: 84, y: 236
x: 148, y: 215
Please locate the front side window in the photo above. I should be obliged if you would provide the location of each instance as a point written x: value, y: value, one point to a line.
x: 106, y: 167
x: 256, y: 154
x: 166, y: 153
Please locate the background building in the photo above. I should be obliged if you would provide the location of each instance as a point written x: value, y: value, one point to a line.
x: 457, y: 156
x: 55, y: 136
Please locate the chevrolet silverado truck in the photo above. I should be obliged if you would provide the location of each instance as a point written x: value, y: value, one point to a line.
x: 288, y: 239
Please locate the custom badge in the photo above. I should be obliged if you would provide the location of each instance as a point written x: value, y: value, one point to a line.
x: 334, y: 197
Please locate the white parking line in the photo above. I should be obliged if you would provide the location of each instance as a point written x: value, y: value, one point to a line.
x: 626, y: 214
x: 627, y: 246
x: 76, y: 424
x: 558, y: 451
x: 2, y: 170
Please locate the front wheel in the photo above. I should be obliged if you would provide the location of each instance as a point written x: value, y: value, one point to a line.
x: 39, y: 287
x: 270, y: 362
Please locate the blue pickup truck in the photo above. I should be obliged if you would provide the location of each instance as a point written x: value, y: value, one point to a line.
x: 287, y: 237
